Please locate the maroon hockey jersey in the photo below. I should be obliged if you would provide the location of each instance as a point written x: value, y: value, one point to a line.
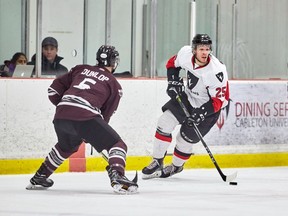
x: 85, y: 92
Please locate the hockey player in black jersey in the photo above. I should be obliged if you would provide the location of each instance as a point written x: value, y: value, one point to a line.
x: 85, y: 99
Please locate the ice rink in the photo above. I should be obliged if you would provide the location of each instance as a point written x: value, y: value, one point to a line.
x: 260, y: 191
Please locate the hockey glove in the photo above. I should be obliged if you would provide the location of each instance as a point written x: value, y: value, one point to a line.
x: 199, y: 114
x: 175, y: 86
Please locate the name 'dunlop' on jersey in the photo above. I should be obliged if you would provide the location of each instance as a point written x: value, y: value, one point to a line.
x: 95, y: 74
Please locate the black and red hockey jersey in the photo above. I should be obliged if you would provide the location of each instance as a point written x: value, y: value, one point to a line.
x: 85, y: 92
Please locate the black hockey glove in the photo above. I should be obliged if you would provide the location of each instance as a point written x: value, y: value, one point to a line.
x: 199, y: 114
x: 175, y: 86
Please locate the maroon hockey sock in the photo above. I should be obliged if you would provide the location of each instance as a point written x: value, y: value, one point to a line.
x: 117, y: 157
x: 54, y: 159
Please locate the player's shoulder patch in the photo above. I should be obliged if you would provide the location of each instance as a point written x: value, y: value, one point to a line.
x: 220, y: 76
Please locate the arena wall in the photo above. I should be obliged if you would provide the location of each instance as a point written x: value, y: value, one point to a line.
x: 252, y: 132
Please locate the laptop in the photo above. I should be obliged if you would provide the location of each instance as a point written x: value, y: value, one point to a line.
x: 23, y: 71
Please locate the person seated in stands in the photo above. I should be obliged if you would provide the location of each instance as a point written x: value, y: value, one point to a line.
x: 7, y: 69
x: 50, y: 60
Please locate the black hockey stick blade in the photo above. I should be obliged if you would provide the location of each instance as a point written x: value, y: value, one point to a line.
x: 224, y: 177
x: 135, y: 179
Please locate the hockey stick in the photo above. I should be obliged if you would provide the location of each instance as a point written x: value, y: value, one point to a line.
x: 104, y: 156
x: 225, y: 178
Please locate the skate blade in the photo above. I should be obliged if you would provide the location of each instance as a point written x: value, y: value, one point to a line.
x: 35, y: 187
x: 156, y: 174
x: 119, y: 189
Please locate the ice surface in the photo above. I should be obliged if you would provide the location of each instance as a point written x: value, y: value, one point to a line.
x: 260, y: 191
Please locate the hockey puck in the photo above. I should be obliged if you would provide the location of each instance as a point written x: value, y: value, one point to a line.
x: 233, y: 183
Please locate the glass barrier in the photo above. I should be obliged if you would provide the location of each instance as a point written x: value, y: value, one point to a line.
x: 250, y: 41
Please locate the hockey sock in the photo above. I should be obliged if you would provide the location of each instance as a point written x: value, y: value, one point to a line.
x: 179, y: 158
x: 117, y: 157
x: 161, y: 144
x: 54, y: 159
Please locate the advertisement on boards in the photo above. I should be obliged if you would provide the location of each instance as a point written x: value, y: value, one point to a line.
x: 257, y: 114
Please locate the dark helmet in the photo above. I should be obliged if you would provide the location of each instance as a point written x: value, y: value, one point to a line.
x: 107, y: 56
x: 201, y: 39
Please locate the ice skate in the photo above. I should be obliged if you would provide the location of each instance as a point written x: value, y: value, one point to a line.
x: 39, y: 182
x: 120, y: 183
x: 170, y: 170
x: 153, y: 170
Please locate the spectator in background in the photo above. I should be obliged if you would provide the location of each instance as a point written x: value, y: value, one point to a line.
x: 50, y: 60
x: 7, y: 69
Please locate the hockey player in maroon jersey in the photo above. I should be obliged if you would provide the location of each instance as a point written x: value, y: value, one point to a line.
x: 204, y: 95
x: 85, y: 99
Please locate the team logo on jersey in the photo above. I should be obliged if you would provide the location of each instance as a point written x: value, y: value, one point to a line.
x: 192, y: 80
x: 220, y: 76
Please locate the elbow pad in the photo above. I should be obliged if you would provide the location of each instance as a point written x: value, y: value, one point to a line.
x: 173, y: 73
